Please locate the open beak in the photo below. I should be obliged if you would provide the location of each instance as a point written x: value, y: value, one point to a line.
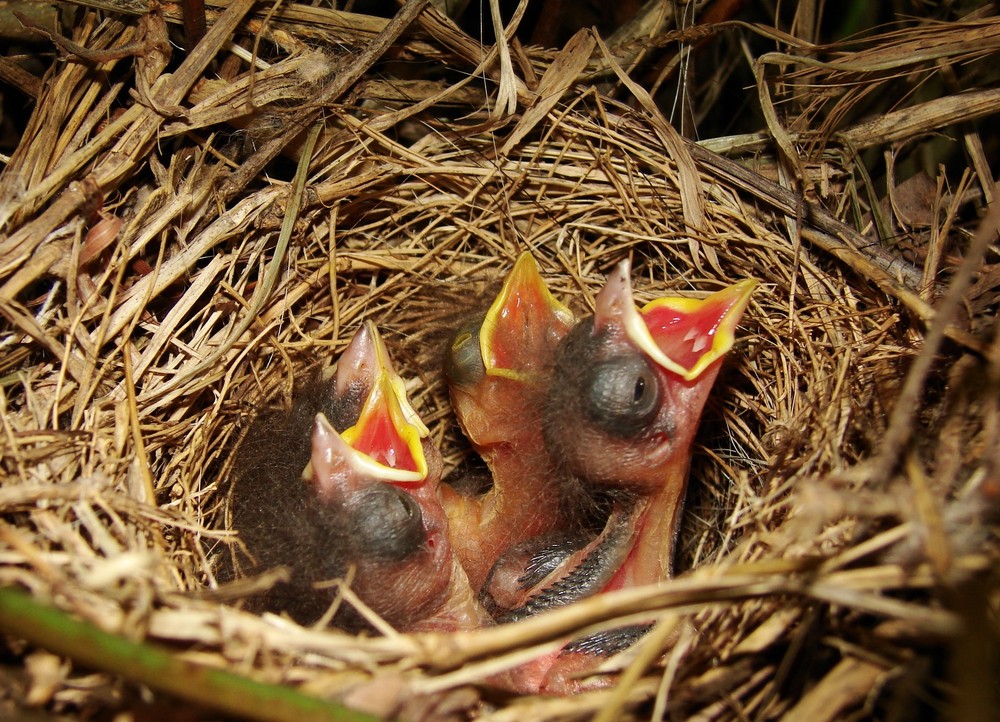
x: 384, y: 439
x: 385, y: 442
x: 365, y: 363
x: 524, y: 321
x: 683, y: 335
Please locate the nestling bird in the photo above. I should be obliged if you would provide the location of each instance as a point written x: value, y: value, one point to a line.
x: 496, y: 369
x: 345, y: 484
x: 622, y: 403
x: 635, y: 383
x: 598, y: 414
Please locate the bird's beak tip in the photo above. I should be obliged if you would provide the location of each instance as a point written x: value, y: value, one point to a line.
x: 615, y: 302
x: 358, y: 364
x: 523, y: 315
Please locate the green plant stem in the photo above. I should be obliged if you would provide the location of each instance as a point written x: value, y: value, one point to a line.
x: 160, y: 670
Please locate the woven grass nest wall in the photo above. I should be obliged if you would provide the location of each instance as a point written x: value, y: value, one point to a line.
x: 182, y: 238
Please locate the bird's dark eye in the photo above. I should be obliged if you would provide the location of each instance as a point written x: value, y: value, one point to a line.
x: 386, y: 523
x: 623, y: 395
x: 463, y: 364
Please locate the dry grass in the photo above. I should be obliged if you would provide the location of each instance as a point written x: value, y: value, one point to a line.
x: 157, y: 285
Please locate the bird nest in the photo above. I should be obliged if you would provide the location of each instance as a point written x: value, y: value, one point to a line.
x: 184, y: 236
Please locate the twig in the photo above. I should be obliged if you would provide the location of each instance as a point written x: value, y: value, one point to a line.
x: 836, y: 238
x: 897, y: 436
x: 68, y: 47
x: 160, y: 670
x: 341, y: 81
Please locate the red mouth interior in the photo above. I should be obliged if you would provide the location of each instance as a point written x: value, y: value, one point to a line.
x: 380, y: 440
x: 686, y: 336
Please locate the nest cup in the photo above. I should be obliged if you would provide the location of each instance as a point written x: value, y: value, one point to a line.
x: 154, y: 300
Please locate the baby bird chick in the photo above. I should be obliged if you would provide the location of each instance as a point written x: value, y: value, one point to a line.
x: 353, y: 495
x: 496, y: 369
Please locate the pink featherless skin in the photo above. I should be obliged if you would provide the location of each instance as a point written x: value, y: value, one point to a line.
x: 495, y: 370
x: 625, y: 395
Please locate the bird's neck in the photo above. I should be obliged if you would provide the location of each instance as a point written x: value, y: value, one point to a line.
x: 523, y: 503
x: 656, y: 518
